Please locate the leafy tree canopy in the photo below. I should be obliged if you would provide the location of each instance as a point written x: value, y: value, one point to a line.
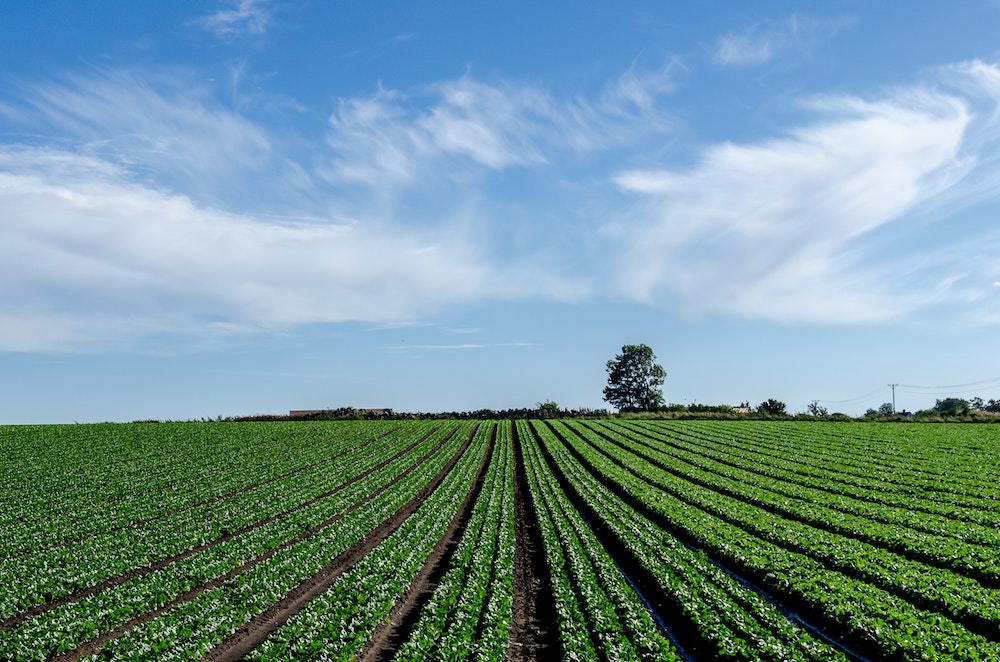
x: 952, y: 406
x: 634, y: 380
x: 548, y: 408
x: 816, y: 410
x: 772, y: 407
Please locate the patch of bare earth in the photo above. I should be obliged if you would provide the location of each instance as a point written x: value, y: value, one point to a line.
x: 664, y: 608
x: 533, y: 634
x: 14, y: 621
x: 204, y: 502
x: 93, y: 646
x: 390, y: 635
x: 252, y: 634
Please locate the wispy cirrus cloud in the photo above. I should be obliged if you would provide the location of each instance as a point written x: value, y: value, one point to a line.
x: 160, y: 125
x: 461, y: 346
x: 629, y: 110
x: 91, y: 257
x: 151, y: 209
x: 238, y: 18
x: 797, y: 228
x: 154, y: 208
x: 157, y: 205
x: 390, y: 138
x: 766, y: 40
x: 381, y: 46
x: 458, y: 126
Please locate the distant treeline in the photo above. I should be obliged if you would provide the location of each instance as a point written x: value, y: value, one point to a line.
x: 352, y: 414
x: 950, y: 409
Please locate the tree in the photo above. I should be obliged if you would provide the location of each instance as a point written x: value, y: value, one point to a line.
x: 886, y: 409
x: 772, y: 407
x: 547, y: 409
x: 634, y: 380
x: 816, y: 410
x: 952, y: 407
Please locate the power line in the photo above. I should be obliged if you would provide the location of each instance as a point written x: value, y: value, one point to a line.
x: 921, y: 390
x: 866, y: 396
x: 983, y: 382
x: 950, y: 392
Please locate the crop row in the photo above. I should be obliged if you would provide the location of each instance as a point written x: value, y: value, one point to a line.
x: 971, y: 523
x: 61, y: 571
x: 312, y: 529
x: 855, y: 462
x: 658, y: 540
x: 599, y: 615
x: 928, y: 586
x: 337, y: 623
x: 917, y: 451
x: 143, y: 507
x: 469, y: 614
x: 902, y: 460
x: 117, y: 464
x: 190, y: 629
x: 723, y: 618
x: 773, y: 552
x: 880, y: 527
x: 181, y: 466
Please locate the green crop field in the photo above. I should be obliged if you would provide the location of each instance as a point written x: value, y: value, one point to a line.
x: 604, y: 539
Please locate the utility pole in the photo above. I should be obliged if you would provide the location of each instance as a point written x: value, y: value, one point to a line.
x: 893, y: 387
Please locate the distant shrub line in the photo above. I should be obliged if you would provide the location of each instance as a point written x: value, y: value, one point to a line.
x: 669, y: 412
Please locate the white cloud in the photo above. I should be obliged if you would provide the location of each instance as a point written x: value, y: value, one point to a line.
x: 388, y: 138
x: 491, y: 126
x: 163, y: 127
x: 459, y: 127
x: 797, y: 227
x: 88, y: 257
x: 629, y: 110
x: 766, y: 40
x: 638, y: 89
x: 240, y: 17
x: 127, y: 225
x: 745, y: 48
x: 785, y: 228
x: 404, y: 347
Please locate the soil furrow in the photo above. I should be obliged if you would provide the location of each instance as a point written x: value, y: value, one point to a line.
x: 842, y: 641
x: 987, y: 579
x: 974, y: 622
x: 176, y: 483
x: 204, y: 502
x: 391, y: 634
x: 93, y: 646
x: 836, y: 483
x: 162, y: 563
x: 252, y: 634
x: 534, y: 634
x: 641, y: 580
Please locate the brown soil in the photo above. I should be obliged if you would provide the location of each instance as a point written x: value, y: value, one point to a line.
x: 204, y: 502
x: 176, y: 484
x: 94, y: 645
x: 162, y: 563
x: 391, y: 634
x: 661, y: 608
x: 252, y: 634
x: 534, y: 632
x: 666, y: 610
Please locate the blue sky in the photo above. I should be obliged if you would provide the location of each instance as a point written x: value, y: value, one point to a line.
x: 253, y: 206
